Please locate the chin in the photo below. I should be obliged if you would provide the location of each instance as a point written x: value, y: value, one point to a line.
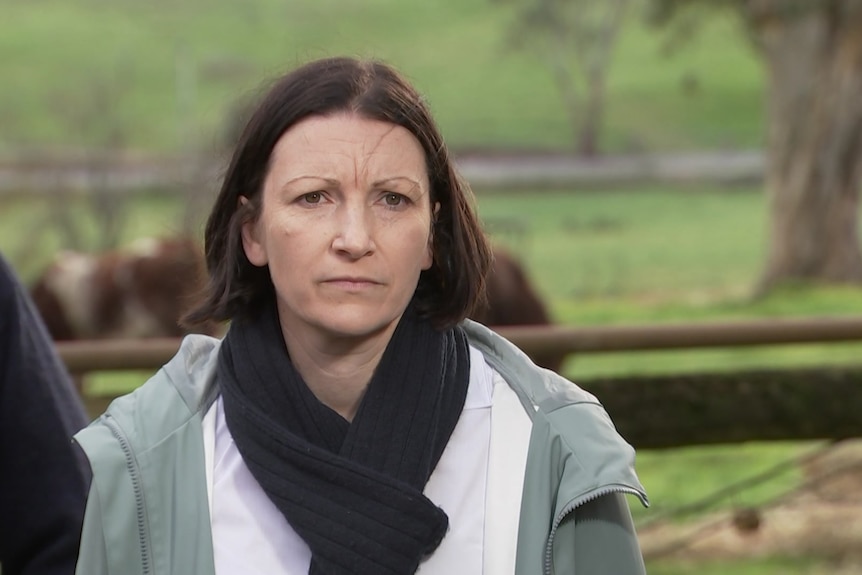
x: 356, y: 323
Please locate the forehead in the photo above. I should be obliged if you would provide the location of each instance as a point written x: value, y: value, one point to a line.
x: 349, y: 141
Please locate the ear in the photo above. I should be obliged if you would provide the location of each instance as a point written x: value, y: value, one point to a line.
x: 253, y: 247
x: 429, y: 251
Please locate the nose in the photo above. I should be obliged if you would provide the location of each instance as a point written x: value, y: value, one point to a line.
x: 353, y: 236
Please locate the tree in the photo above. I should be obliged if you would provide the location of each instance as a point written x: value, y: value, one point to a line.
x: 575, y: 39
x: 812, y: 51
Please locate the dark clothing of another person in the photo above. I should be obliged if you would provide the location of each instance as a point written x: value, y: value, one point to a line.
x: 43, y: 476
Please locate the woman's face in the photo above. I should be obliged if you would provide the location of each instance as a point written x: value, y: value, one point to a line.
x: 345, y: 225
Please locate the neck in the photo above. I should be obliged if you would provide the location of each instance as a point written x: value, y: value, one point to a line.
x: 337, y: 370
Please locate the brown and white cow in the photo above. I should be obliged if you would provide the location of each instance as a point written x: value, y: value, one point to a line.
x: 137, y: 292
x: 142, y: 292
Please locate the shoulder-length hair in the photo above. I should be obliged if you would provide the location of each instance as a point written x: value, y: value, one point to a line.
x: 454, y: 284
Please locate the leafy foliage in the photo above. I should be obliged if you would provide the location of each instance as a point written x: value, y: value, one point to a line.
x: 682, y: 20
x: 575, y: 39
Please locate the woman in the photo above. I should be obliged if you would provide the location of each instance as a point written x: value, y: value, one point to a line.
x: 352, y: 420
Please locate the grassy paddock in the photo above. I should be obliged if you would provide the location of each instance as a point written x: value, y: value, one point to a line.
x: 649, y: 255
x: 31, y: 233
x: 776, y: 566
x: 161, y: 76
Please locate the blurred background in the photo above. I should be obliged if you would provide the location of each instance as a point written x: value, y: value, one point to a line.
x: 645, y: 162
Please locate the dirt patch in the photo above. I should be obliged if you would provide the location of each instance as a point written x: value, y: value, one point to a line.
x: 799, y: 530
x: 824, y: 519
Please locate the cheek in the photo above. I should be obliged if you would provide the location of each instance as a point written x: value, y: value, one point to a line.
x: 424, y: 243
x: 421, y: 246
x: 297, y: 246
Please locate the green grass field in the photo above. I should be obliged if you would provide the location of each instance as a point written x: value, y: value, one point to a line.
x: 162, y: 75
x: 652, y: 255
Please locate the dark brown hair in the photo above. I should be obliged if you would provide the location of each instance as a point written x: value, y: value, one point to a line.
x: 454, y: 284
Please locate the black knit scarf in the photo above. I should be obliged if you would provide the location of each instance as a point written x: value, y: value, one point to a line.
x: 352, y: 491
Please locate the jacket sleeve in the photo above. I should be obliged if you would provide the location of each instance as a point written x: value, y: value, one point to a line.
x: 44, y: 480
x: 598, y: 538
x: 93, y: 557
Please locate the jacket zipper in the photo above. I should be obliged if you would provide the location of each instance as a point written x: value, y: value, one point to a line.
x: 138, y: 489
x: 574, y: 504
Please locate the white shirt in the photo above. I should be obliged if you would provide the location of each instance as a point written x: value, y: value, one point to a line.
x: 252, y: 537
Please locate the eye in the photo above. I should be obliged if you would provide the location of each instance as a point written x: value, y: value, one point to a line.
x: 312, y: 197
x: 393, y: 199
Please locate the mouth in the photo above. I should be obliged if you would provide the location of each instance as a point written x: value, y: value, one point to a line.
x: 352, y: 283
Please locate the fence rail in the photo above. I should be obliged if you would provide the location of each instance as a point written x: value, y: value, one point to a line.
x: 102, y: 355
x: 122, y: 173
x: 652, y: 412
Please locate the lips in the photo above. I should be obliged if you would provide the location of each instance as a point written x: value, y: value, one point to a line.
x: 352, y: 282
x: 352, y: 279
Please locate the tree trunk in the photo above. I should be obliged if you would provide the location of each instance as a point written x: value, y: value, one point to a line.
x: 595, y: 46
x: 813, y: 52
x: 565, y: 81
x: 703, y: 409
x: 592, y: 115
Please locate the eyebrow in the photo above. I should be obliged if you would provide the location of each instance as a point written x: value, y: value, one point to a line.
x: 396, y: 178
x: 330, y: 181
x: 334, y: 182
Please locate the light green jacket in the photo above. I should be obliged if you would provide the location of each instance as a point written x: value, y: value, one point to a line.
x: 148, y: 514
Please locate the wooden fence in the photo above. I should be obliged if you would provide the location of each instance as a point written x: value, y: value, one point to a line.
x: 654, y: 411
x: 125, y: 173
